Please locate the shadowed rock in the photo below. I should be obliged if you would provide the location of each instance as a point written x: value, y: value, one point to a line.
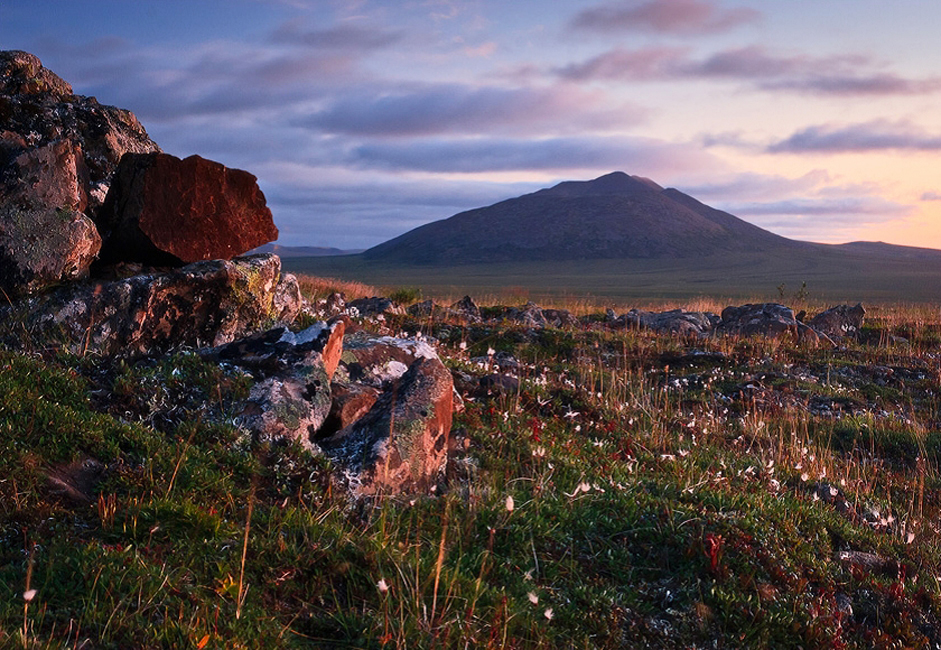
x: 164, y: 210
x: 676, y: 321
x: 840, y: 321
x: 767, y: 319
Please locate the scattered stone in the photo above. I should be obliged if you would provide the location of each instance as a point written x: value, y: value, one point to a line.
x: 840, y: 321
x: 401, y: 444
x: 498, y: 384
x: 468, y: 309
x: 162, y: 210
x: 426, y: 309
x: 207, y: 303
x: 77, y: 481
x: 372, y: 307
x: 767, y: 319
x: 676, y: 321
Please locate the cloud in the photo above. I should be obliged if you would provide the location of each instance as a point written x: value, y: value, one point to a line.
x: 931, y: 196
x: 344, y: 37
x: 462, y: 109
x: 680, y: 17
x: 844, y: 75
x: 563, y: 154
x: 760, y: 187
x: 853, y: 209
x: 877, y: 135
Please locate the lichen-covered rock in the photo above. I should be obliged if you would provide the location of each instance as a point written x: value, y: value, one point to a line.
x: 532, y: 315
x: 43, y: 247
x: 37, y: 108
x: 377, y: 361
x: 58, y: 152
x: 840, y: 321
x: 401, y: 444
x: 208, y: 303
x: 164, y: 210
x: 292, y: 404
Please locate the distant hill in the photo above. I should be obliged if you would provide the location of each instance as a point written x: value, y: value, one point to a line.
x: 303, y: 251
x: 616, y: 216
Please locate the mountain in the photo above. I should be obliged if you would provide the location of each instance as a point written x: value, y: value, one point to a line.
x: 303, y: 251
x: 615, y: 216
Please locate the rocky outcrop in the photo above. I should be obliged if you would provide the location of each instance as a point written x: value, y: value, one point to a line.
x: 767, y: 319
x: 840, y: 321
x: 205, y: 303
x: 164, y: 210
x: 58, y: 152
x: 676, y: 321
x: 401, y: 444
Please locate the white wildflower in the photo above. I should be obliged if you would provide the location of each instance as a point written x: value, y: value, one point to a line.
x: 29, y: 595
x: 548, y: 614
x: 533, y: 598
x: 382, y: 586
x: 509, y: 504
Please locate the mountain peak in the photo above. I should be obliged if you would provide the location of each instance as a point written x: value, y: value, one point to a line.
x: 615, y: 216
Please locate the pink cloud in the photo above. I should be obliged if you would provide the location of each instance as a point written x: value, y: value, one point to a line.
x: 664, y: 16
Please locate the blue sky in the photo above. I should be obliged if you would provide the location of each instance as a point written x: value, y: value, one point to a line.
x: 818, y: 119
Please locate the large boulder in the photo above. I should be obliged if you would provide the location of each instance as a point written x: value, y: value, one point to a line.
x: 58, y: 152
x: 207, y: 303
x: 38, y: 108
x: 401, y: 444
x: 162, y: 210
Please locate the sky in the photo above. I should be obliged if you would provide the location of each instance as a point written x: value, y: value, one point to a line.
x: 362, y: 119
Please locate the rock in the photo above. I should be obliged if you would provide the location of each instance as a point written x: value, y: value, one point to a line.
x: 401, y: 444
x: 350, y: 403
x: 162, y: 210
x: 467, y: 309
x: 676, y: 321
x: 37, y: 108
x: 40, y: 248
x: 767, y: 319
x: 372, y: 307
x: 497, y: 384
x: 529, y: 315
x: 207, y: 303
x: 292, y: 404
x: 275, y: 350
x: 288, y: 301
x: 379, y: 361
x: 840, y: 321
x: 58, y: 152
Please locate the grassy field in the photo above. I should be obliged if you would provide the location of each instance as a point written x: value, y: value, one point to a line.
x: 840, y: 276
x: 635, y: 491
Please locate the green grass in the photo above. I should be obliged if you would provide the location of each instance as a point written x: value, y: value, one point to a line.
x: 622, y: 498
